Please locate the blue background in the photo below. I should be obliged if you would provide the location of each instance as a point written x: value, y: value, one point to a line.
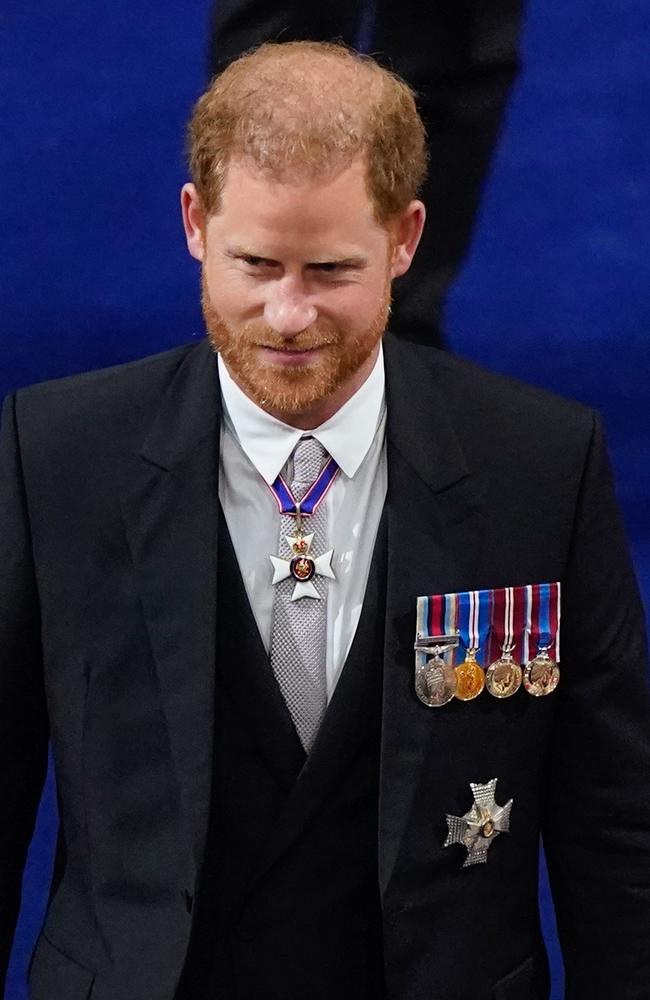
x: 94, y: 271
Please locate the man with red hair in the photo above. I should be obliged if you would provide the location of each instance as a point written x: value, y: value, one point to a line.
x: 215, y: 564
x: 462, y: 60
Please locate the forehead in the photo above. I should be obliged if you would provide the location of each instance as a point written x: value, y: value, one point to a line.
x: 310, y: 212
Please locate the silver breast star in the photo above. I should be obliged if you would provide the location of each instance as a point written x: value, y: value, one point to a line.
x: 302, y: 567
x: 481, y: 825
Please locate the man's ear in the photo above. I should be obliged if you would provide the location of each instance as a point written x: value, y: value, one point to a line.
x: 406, y: 231
x: 194, y: 220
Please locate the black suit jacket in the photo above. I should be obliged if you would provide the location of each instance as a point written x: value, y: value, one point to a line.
x: 107, y: 642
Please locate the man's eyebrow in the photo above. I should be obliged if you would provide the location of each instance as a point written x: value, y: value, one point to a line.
x: 352, y: 261
x: 237, y: 252
x: 357, y: 260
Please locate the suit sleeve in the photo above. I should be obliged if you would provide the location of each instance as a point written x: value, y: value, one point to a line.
x: 23, y: 718
x: 597, y: 829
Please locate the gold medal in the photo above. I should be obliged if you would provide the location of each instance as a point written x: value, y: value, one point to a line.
x: 542, y: 674
x: 470, y: 679
x: 503, y: 678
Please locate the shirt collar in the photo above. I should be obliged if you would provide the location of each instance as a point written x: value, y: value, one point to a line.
x: 268, y: 442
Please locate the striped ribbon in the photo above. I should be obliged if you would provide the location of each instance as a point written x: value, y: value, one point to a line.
x: 474, y: 618
x: 314, y: 496
x: 541, y: 620
x: 528, y: 617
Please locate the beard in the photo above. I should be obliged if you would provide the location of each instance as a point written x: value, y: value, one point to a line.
x: 293, y: 389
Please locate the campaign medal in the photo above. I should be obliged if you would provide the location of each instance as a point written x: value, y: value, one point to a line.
x: 489, y: 625
x: 436, y: 636
x: 542, y: 673
x: 473, y: 620
x: 503, y: 677
x: 435, y: 680
x: 302, y: 565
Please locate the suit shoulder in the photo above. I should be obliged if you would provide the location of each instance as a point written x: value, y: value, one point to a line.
x: 151, y: 372
x: 501, y: 400
x: 109, y: 408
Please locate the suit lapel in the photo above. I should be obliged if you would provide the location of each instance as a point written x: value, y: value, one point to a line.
x: 170, y: 513
x: 245, y: 668
x: 435, y: 520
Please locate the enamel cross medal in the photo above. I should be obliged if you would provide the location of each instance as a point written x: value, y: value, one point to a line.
x: 302, y: 565
x: 477, y: 828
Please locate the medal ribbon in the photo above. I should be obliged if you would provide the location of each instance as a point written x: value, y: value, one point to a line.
x: 423, y: 626
x: 508, y: 621
x: 542, y: 621
x: 287, y: 503
x: 436, y: 615
x: 524, y: 616
x: 474, y: 618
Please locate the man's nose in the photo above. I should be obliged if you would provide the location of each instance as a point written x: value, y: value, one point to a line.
x: 288, y: 309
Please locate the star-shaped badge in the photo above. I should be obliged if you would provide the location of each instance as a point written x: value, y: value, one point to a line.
x: 481, y: 825
x: 302, y: 567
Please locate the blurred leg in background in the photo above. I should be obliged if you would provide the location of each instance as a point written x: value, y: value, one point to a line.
x: 461, y: 57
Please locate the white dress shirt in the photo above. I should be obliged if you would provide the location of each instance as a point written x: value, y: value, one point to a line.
x: 255, y: 449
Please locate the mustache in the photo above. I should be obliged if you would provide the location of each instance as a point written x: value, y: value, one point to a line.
x: 307, y: 340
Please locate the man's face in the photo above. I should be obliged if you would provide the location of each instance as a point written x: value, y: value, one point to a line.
x: 296, y: 287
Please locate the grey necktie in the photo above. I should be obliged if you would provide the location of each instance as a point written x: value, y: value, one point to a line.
x: 299, y: 628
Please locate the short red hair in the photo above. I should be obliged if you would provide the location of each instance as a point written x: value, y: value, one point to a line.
x: 309, y: 108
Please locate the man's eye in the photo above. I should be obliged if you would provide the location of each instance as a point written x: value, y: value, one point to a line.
x: 255, y: 261
x: 327, y: 267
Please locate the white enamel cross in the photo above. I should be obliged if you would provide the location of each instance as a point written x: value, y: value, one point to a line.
x: 302, y: 567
